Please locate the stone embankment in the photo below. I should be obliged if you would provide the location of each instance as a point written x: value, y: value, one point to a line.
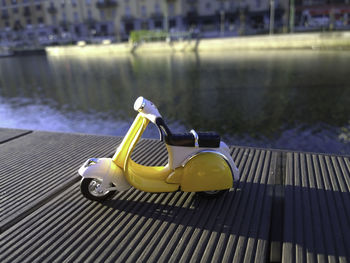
x: 335, y: 40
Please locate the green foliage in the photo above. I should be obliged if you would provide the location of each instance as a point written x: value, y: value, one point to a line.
x: 147, y: 36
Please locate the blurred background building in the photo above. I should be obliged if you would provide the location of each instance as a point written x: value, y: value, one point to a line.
x: 48, y: 22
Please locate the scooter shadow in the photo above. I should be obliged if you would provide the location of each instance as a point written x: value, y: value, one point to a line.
x: 234, y: 212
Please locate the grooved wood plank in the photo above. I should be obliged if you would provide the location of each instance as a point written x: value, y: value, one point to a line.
x: 37, y: 165
x: 165, y: 227
x: 9, y: 134
x: 317, y: 209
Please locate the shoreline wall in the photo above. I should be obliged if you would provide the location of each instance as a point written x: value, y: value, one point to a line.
x: 333, y: 40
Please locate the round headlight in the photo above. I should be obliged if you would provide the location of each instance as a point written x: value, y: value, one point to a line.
x: 139, y: 104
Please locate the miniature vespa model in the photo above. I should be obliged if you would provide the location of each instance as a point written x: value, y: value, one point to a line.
x: 197, y: 162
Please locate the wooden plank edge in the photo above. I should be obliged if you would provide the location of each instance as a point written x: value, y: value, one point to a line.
x: 16, y: 137
x: 23, y: 213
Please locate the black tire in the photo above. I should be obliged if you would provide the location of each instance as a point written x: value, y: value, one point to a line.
x: 212, y: 194
x: 88, y: 189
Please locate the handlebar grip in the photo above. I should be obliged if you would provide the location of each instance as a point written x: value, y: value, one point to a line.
x: 163, y: 128
x: 161, y: 135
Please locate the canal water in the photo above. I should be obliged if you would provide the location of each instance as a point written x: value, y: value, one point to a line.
x: 298, y: 100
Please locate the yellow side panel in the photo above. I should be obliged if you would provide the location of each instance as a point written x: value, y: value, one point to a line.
x: 149, y: 178
x: 206, y: 172
x: 176, y: 176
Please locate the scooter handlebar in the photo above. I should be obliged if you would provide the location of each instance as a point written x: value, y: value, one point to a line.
x: 148, y: 109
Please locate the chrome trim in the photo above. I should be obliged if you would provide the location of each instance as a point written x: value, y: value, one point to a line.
x: 142, y: 106
x: 209, y: 151
x: 196, y: 138
x: 96, y: 189
x: 89, y: 161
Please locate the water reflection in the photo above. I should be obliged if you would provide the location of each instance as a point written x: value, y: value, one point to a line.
x: 286, y: 99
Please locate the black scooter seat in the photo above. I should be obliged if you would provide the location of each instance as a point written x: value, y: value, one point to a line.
x: 205, y: 139
x: 208, y: 139
x: 180, y: 139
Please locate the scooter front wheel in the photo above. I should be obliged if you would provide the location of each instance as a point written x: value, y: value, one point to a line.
x: 212, y: 194
x: 91, y: 189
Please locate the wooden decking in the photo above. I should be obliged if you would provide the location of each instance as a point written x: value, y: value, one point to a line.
x: 286, y: 207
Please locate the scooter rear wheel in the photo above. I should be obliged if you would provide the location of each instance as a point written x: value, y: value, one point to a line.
x: 212, y: 194
x: 89, y: 187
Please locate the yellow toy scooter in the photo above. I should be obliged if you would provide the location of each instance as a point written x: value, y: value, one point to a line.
x: 197, y: 162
